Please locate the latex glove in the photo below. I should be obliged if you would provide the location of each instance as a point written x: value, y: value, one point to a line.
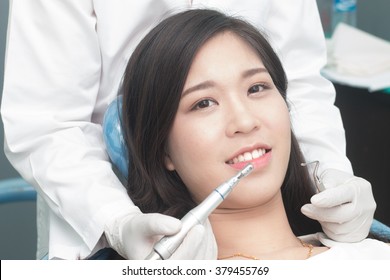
x: 134, y: 234
x: 345, y: 209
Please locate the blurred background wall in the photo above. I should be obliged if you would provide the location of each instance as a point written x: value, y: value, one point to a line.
x: 17, y: 220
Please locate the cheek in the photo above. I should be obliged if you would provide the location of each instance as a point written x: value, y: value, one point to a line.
x: 184, y: 143
x: 194, y: 137
x: 188, y: 147
x: 283, y: 125
x: 279, y: 126
x: 285, y: 144
x: 277, y: 118
x: 191, y: 148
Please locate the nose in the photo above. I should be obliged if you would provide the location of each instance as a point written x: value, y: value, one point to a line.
x: 242, y: 119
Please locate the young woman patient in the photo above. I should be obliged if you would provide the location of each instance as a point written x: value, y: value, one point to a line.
x: 203, y: 95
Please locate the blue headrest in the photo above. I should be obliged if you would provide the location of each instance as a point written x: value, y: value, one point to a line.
x: 113, y: 138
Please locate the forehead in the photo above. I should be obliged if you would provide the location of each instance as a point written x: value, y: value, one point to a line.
x: 222, y: 53
x: 226, y: 44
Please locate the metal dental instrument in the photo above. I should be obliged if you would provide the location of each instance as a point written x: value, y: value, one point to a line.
x: 317, y: 180
x: 167, y: 245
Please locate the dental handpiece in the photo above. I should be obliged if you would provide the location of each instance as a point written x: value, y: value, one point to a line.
x: 167, y: 245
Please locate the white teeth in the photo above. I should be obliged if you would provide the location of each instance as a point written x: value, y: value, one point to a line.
x: 247, y: 156
x: 255, y: 154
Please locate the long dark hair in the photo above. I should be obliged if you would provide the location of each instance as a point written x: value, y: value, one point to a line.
x: 152, y: 88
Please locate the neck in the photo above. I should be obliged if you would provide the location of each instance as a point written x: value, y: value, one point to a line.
x: 262, y: 231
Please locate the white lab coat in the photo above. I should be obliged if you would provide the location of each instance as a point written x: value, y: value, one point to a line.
x: 64, y: 64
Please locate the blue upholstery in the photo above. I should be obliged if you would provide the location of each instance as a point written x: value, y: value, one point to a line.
x: 16, y: 189
x: 113, y: 138
x: 380, y: 230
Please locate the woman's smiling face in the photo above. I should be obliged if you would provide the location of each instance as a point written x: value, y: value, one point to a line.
x: 230, y: 113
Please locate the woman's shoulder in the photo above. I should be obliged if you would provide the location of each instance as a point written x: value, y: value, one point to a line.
x: 366, y: 249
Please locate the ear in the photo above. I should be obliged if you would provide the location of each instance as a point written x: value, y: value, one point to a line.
x: 168, y: 163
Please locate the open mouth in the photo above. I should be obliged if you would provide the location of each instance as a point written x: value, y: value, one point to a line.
x: 248, y: 156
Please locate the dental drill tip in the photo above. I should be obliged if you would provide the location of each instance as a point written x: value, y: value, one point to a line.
x: 246, y: 170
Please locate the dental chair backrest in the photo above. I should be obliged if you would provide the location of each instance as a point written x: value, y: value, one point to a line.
x: 113, y: 137
x: 16, y: 190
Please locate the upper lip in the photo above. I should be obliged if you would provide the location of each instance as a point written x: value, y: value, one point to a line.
x: 249, y: 149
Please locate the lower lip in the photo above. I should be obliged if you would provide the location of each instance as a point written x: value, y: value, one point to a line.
x: 258, y: 163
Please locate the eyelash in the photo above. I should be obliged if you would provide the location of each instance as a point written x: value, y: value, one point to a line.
x: 264, y: 86
x: 197, y: 104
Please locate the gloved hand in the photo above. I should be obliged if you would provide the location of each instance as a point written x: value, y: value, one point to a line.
x: 345, y: 208
x: 133, y: 235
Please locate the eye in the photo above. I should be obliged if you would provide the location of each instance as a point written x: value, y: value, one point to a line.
x: 204, y: 103
x: 257, y: 88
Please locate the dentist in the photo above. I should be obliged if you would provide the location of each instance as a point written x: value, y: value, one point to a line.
x: 64, y: 64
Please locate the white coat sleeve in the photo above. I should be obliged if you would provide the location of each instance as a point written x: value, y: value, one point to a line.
x: 52, y: 75
x: 295, y: 31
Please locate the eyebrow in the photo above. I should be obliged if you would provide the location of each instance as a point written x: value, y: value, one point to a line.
x: 201, y: 86
x: 209, y: 84
x: 251, y: 72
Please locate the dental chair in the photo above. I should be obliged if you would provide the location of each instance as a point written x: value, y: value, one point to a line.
x: 16, y: 190
x: 17, y: 220
x: 117, y: 152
